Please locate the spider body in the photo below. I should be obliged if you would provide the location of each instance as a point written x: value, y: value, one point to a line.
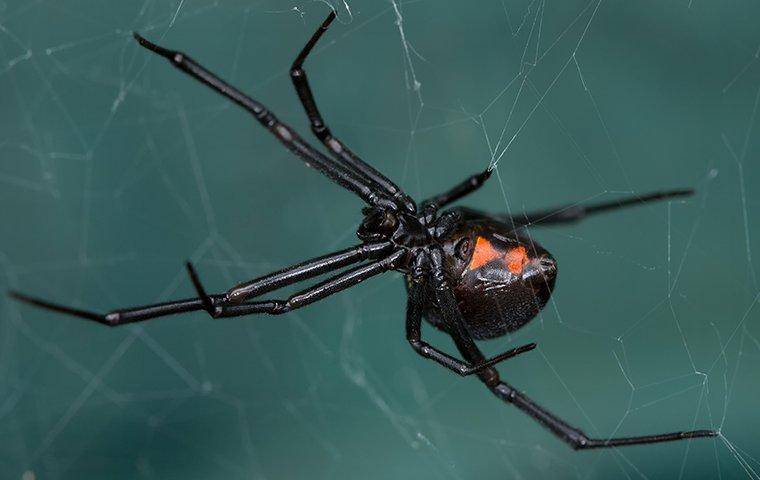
x: 501, y: 277
x: 472, y: 274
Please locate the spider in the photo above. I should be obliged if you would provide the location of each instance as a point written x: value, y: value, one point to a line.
x: 471, y: 274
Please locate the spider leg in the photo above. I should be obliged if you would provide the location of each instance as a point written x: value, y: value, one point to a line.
x: 313, y: 294
x: 322, y: 132
x: 574, y: 437
x: 218, y: 305
x: 208, y: 304
x: 307, y: 269
x: 312, y: 157
x: 424, y: 349
x: 121, y: 316
x: 574, y: 213
x: 577, y: 438
x: 466, y: 187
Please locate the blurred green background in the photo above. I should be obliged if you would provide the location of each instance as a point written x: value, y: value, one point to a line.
x: 115, y: 168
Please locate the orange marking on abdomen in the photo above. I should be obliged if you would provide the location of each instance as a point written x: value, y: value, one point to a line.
x: 516, y: 259
x: 484, y: 253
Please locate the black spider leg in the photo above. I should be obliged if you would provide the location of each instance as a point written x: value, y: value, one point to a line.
x: 208, y: 304
x: 218, y: 305
x: 490, y: 377
x: 322, y: 131
x: 466, y: 187
x: 307, y: 269
x: 424, y: 349
x: 332, y: 285
x: 574, y: 213
x: 122, y: 316
x: 338, y: 173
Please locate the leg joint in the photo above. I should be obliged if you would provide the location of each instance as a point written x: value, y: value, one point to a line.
x: 491, y: 378
x: 579, y: 441
x: 419, y: 346
x: 278, y: 308
x: 320, y: 130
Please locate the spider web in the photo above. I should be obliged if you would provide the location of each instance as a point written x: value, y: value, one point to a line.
x: 114, y: 169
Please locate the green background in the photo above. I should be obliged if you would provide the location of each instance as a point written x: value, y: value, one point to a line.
x: 115, y: 168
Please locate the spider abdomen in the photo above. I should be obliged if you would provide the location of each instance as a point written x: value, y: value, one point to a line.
x: 487, y: 314
x: 501, y: 279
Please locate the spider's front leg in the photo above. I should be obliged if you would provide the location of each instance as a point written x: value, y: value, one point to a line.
x: 461, y: 189
x: 339, y: 150
x: 345, y: 176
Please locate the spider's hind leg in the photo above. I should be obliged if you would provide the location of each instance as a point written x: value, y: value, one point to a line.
x: 574, y: 437
x: 424, y: 349
x: 458, y: 332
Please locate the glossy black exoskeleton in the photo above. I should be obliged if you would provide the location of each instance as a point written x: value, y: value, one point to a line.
x: 501, y: 277
x: 472, y: 274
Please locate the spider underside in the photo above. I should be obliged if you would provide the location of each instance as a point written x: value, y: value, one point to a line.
x: 472, y: 274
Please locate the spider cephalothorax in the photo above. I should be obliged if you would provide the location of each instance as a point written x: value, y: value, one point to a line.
x: 472, y: 274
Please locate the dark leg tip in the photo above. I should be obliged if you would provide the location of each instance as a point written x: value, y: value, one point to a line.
x: 17, y: 296
x: 683, y: 192
x: 22, y: 297
x: 54, y: 307
x: 664, y: 195
x: 141, y: 40
x: 328, y: 20
x: 480, y: 178
x: 703, y: 433
x: 194, y: 277
x: 153, y: 47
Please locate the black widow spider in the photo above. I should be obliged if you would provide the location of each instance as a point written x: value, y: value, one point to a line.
x: 473, y: 275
